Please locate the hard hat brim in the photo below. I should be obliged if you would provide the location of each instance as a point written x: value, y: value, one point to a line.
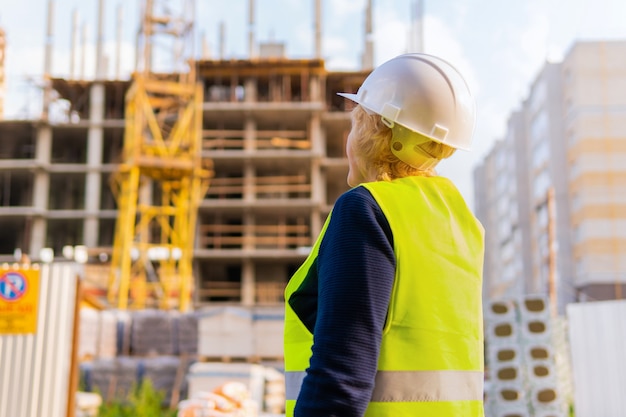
x: 355, y: 98
x: 349, y: 96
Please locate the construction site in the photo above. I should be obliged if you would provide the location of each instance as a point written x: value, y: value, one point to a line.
x: 216, y: 179
x: 182, y: 201
x: 169, y: 209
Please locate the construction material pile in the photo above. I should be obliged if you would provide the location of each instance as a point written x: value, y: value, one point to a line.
x: 231, y: 399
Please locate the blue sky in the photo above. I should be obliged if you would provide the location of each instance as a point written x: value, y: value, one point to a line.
x: 500, y: 46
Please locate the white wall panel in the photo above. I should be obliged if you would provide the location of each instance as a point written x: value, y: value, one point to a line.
x: 597, y: 334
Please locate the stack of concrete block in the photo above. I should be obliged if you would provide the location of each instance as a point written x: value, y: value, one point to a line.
x: 551, y: 413
x: 97, y: 334
x: 152, y: 333
x: 89, y: 323
x: 562, y: 359
x: 506, y: 393
x: 535, y: 319
x: 521, y: 359
x: 225, y: 332
x: 267, y: 327
x: 509, y: 400
x: 107, y: 335
x: 167, y: 375
x: 113, y: 379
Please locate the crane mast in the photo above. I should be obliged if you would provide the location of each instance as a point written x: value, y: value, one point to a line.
x: 162, y: 177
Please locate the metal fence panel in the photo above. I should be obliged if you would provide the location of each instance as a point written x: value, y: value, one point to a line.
x: 35, y: 368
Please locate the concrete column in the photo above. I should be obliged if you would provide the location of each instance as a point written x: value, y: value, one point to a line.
x: 248, y: 289
x: 93, y: 184
x: 250, y: 90
x: 249, y: 135
x: 248, y: 232
x: 318, y: 195
x: 318, y: 186
x: 318, y: 140
x: 318, y: 180
x: 316, y: 90
x: 41, y: 190
x: 249, y: 173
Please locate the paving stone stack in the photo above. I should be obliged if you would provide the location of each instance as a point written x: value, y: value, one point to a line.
x: 124, y: 328
x: 115, y: 378
x: 112, y: 378
x: 152, y: 333
x: 186, y: 330
x: 167, y: 374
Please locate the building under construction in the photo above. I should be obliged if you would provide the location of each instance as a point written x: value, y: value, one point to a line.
x: 272, y: 133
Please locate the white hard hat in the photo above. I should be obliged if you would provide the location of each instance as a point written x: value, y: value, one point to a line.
x: 423, y: 93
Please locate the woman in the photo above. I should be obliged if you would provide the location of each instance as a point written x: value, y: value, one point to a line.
x: 384, y: 318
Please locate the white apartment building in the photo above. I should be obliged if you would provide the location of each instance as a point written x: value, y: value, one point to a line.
x: 498, y: 182
x: 594, y: 96
x: 555, y: 219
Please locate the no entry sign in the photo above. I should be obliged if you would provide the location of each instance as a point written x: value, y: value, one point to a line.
x: 19, y: 294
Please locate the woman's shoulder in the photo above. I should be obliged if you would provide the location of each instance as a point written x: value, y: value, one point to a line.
x: 357, y: 213
x: 358, y: 206
x: 355, y: 197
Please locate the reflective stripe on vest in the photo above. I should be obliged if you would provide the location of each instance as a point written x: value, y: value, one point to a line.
x: 412, y: 386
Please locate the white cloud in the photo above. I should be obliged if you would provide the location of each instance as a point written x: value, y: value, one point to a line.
x: 441, y: 41
x: 534, y: 41
x: 390, y: 36
x: 339, y: 55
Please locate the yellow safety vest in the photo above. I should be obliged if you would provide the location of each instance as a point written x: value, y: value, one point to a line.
x: 431, y: 356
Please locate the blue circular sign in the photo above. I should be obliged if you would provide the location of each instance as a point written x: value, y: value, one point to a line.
x: 12, y: 286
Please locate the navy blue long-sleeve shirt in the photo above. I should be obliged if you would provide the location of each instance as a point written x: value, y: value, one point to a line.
x: 344, y: 302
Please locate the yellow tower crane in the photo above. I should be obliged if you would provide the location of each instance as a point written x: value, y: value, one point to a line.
x: 162, y: 178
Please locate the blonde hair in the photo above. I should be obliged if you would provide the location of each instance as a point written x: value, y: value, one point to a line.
x: 372, y: 145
